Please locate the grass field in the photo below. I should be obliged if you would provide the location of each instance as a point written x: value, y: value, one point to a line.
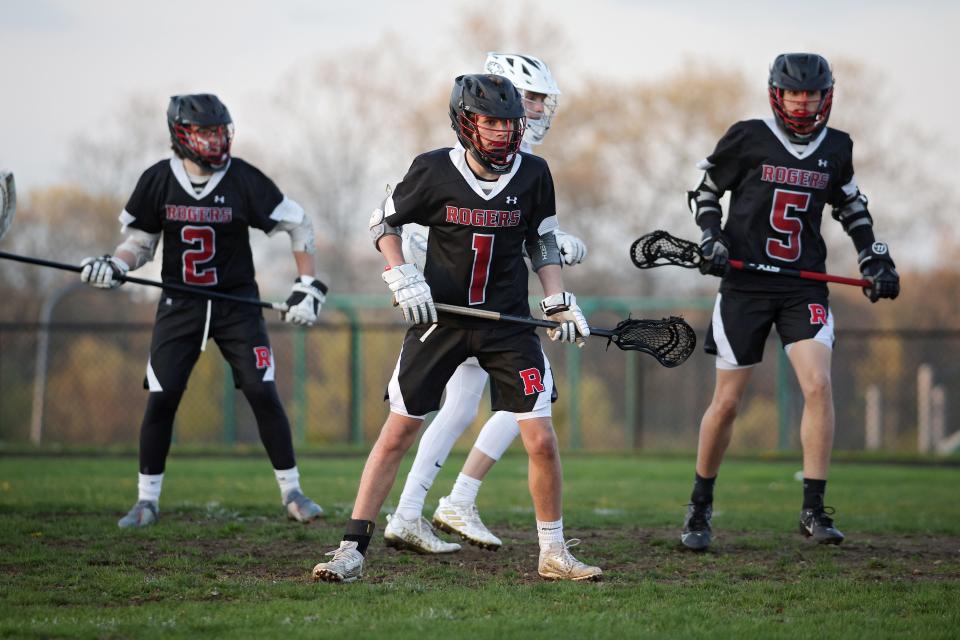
x: 222, y: 562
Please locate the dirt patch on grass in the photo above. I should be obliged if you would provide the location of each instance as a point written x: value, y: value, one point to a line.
x: 263, y: 549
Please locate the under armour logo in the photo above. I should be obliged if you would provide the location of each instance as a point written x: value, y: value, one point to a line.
x: 219, y: 199
x: 822, y: 163
x: 511, y: 199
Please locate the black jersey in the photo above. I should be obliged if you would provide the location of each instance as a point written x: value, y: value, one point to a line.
x: 476, y: 242
x: 777, y: 199
x: 206, y: 239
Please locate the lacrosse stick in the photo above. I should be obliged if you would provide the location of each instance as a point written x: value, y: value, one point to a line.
x: 659, y: 248
x: 194, y: 291
x: 670, y: 341
x: 8, y: 201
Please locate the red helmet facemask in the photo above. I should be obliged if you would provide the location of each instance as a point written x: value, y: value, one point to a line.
x: 802, y: 123
x: 496, y: 145
x: 209, y: 144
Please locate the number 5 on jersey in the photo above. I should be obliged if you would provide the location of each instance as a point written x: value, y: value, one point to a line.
x: 784, y: 203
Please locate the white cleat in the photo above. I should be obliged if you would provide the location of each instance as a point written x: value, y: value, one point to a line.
x: 463, y: 519
x: 143, y: 514
x: 346, y: 566
x: 416, y: 535
x: 557, y: 563
x: 301, y: 508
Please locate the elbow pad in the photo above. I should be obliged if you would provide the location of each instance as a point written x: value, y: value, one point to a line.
x: 379, y: 226
x: 543, y: 251
x: 301, y: 234
x: 853, y: 213
x: 142, y: 245
x: 704, y: 203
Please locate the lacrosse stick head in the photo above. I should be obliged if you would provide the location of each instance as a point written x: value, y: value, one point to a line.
x: 8, y: 201
x: 671, y: 340
x: 659, y: 248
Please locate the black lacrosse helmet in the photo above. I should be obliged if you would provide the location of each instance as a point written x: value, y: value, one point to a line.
x: 201, y: 129
x: 495, y: 97
x: 801, y: 72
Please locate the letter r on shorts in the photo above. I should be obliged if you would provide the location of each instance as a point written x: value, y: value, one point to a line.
x: 818, y: 314
x: 532, y: 381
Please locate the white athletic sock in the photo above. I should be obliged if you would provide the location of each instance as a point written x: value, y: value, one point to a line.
x: 465, y: 489
x: 288, y: 479
x: 148, y: 487
x: 548, y: 532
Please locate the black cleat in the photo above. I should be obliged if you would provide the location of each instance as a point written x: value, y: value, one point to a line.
x: 696, y: 526
x: 817, y: 524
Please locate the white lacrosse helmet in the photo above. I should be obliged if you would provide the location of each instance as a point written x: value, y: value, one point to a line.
x: 528, y: 74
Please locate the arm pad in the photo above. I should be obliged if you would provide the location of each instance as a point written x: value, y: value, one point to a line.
x: 142, y: 245
x: 543, y: 251
x: 856, y: 220
x: 379, y: 227
x: 704, y: 203
x: 301, y: 234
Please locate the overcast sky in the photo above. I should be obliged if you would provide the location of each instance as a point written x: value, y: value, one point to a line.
x: 69, y: 66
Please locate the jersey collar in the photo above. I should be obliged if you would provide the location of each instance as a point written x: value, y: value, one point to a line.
x: 782, y: 137
x: 180, y: 173
x: 458, y: 156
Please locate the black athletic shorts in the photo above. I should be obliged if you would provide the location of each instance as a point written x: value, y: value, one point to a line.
x: 741, y: 324
x: 520, y: 380
x: 238, y: 329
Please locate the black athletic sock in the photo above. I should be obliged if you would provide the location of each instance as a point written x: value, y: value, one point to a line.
x: 813, y: 492
x: 702, y: 489
x: 359, y: 531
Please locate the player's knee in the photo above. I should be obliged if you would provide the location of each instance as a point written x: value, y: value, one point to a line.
x: 817, y: 387
x: 398, y: 434
x: 541, y: 443
x: 457, y: 414
x: 725, y: 407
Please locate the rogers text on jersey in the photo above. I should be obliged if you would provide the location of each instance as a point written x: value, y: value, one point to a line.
x: 795, y: 177
x: 482, y: 217
x: 180, y: 213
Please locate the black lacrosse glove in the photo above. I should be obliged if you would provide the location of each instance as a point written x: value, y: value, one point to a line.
x: 715, y: 255
x: 877, y: 267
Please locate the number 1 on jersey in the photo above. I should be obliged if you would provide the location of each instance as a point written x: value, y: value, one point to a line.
x: 482, y: 253
x: 192, y: 258
x: 784, y: 203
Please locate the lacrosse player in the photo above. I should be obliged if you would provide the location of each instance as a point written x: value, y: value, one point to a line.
x: 484, y: 202
x: 781, y: 172
x: 204, y: 203
x: 457, y: 512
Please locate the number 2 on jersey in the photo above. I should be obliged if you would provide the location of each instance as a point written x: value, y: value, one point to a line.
x: 784, y: 204
x: 193, y: 258
x: 482, y: 253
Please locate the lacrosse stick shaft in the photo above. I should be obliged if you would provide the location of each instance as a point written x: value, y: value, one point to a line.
x: 806, y: 275
x: 506, y: 317
x: 216, y: 295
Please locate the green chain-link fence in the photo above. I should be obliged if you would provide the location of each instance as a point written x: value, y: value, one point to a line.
x: 894, y: 390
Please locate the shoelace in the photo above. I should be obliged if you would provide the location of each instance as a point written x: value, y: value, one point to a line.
x: 339, y: 552
x: 698, y: 519
x: 822, y: 516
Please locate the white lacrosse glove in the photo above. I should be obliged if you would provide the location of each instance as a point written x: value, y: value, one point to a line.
x: 306, y: 298
x: 412, y: 293
x: 572, y: 249
x: 562, y: 308
x: 104, y: 272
